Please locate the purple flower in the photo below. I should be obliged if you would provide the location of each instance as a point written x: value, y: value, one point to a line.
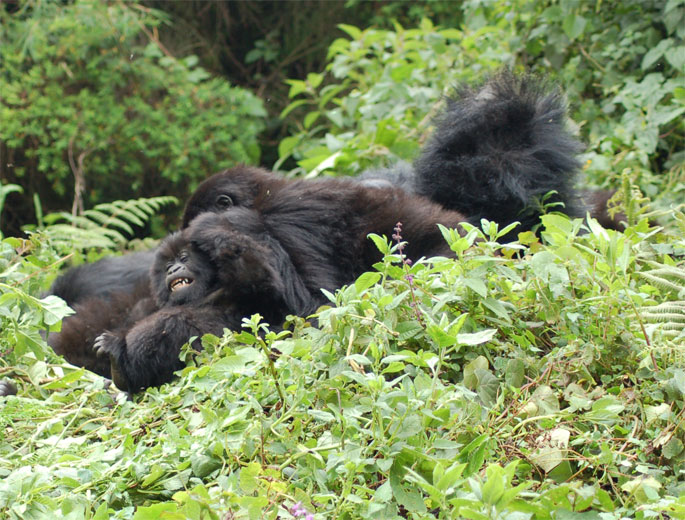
x: 298, y: 510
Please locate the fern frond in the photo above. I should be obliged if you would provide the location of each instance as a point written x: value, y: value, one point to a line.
x: 67, y: 237
x: 669, y: 278
x: 669, y: 317
x: 107, y: 225
x: 106, y: 221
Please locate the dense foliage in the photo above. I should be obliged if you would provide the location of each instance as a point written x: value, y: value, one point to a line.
x: 544, y: 379
x: 620, y: 65
x: 93, y: 109
x: 482, y: 387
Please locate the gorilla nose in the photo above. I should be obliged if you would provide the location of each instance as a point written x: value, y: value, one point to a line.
x: 173, y: 269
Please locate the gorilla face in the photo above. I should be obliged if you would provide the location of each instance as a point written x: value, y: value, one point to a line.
x: 181, y: 274
x: 230, y: 188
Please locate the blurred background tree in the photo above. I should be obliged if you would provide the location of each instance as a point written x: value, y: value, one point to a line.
x: 116, y: 100
x: 95, y: 108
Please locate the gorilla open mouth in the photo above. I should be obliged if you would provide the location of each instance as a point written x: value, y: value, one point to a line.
x: 180, y: 283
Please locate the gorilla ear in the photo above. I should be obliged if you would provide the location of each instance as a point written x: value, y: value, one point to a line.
x: 224, y: 201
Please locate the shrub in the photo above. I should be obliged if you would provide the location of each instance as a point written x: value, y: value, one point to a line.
x: 94, y: 108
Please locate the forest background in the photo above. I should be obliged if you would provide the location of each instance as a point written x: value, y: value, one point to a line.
x: 548, y: 384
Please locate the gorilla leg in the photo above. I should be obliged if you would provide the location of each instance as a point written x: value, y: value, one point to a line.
x: 103, y: 278
x: 94, y: 315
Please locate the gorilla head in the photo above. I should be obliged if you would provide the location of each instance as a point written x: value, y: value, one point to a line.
x: 180, y: 273
x: 228, y: 190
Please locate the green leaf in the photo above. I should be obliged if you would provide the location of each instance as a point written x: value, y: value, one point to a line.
x: 351, y: 30
x: 476, y: 285
x: 574, y: 25
x: 287, y: 145
x: 314, y: 79
x: 470, y: 378
x: 248, y: 477
x: 476, y: 338
x: 365, y: 281
x: 296, y: 87
x: 309, y: 120
x: 676, y: 57
x: 408, y: 329
x: 655, y: 53
x: 160, y: 510
x: 493, y: 487
x: 515, y: 373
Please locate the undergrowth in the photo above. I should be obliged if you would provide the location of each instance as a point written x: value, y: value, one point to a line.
x: 538, y: 380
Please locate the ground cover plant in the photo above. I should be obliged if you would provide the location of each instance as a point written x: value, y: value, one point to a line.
x: 543, y: 379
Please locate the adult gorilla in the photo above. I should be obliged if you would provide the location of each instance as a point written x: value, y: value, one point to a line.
x: 496, y: 151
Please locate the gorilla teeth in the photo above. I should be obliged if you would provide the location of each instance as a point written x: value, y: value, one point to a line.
x: 179, y: 283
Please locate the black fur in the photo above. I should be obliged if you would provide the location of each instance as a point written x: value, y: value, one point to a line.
x: 95, y: 314
x: 7, y: 388
x: 103, y: 278
x: 596, y: 202
x: 227, y: 275
x: 496, y: 151
x: 112, y: 292
x: 319, y: 228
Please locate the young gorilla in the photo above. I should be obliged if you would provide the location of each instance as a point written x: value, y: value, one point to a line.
x: 198, y: 288
x: 321, y: 226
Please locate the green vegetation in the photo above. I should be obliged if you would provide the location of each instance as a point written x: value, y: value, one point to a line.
x: 93, y: 109
x: 540, y: 380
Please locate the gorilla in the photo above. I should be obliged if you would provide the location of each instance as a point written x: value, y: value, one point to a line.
x: 321, y: 226
x: 497, y: 149
x: 104, y: 278
x: 262, y: 243
x: 272, y: 256
x: 199, y: 285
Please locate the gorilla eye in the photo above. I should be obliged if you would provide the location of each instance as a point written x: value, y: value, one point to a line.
x: 224, y: 201
x: 183, y: 257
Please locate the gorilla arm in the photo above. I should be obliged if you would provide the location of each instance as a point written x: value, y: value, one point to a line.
x: 253, y: 268
x: 148, y: 353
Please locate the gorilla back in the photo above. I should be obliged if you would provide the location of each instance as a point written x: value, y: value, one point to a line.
x: 497, y: 149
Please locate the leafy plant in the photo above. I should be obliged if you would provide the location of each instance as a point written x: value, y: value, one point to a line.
x: 107, y: 225
x: 485, y: 386
x: 372, y: 104
x: 538, y: 380
x: 94, y: 108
